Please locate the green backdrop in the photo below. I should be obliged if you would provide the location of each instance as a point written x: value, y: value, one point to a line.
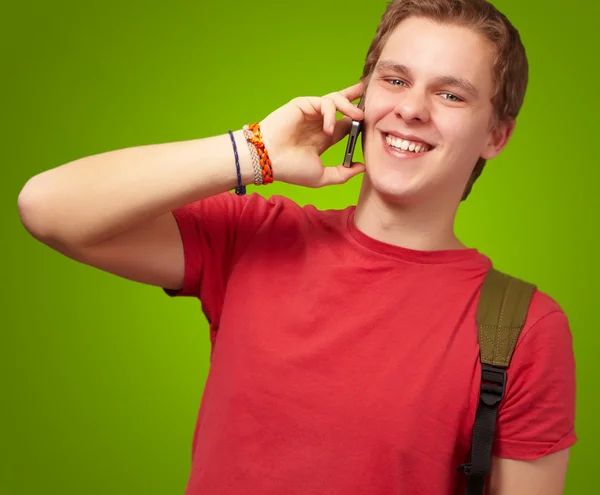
x: 101, y: 377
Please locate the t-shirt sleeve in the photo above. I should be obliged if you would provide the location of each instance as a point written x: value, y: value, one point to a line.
x: 537, y: 415
x: 213, y: 232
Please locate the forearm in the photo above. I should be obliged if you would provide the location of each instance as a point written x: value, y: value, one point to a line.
x: 97, y: 197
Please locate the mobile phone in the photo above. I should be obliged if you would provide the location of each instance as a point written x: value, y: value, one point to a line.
x: 355, y: 130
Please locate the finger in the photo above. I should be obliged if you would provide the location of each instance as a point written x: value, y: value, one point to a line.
x: 326, y: 107
x: 328, y: 111
x: 342, y: 128
x: 309, y: 106
x: 316, y: 108
x: 341, y: 174
x: 353, y: 92
x: 346, y: 107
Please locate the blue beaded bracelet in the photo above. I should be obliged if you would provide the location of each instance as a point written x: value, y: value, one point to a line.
x: 240, y: 189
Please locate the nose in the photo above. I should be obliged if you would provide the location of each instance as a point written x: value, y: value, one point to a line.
x: 412, y: 106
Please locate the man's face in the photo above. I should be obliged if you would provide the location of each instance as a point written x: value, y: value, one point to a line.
x: 431, y: 92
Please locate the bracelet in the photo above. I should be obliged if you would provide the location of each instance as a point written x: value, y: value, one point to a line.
x: 265, y: 162
x: 258, y: 177
x: 240, y: 189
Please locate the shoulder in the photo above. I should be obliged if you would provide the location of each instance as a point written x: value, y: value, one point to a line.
x: 285, y: 209
x: 546, y: 321
x: 230, y: 206
x: 544, y: 317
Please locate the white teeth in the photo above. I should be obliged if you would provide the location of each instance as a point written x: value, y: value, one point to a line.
x: 403, y: 144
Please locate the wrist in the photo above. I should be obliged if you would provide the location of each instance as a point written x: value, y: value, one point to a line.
x: 252, y: 161
x: 261, y: 161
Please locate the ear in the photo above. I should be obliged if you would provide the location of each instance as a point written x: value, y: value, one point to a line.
x: 498, y: 139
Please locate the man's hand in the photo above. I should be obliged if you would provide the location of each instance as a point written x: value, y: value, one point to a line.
x: 298, y: 133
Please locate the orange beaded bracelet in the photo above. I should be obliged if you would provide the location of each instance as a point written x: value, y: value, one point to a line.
x: 265, y: 161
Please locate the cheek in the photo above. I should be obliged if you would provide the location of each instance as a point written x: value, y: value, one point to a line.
x: 467, y: 129
x: 377, y: 106
x: 375, y: 113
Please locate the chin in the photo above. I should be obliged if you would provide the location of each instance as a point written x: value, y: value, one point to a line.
x: 400, y: 177
x: 390, y: 186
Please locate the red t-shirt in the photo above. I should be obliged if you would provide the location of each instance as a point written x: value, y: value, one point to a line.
x: 344, y: 365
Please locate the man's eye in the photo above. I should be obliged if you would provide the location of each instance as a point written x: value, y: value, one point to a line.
x: 396, y: 82
x: 451, y: 97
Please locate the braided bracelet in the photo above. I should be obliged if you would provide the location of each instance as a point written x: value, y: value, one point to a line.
x: 265, y: 162
x: 258, y: 177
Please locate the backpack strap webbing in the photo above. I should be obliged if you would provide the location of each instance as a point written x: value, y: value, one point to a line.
x: 501, y: 314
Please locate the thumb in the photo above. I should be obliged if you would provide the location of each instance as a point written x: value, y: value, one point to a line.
x: 341, y: 174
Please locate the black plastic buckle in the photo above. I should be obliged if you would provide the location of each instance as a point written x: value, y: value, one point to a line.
x: 493, y: 384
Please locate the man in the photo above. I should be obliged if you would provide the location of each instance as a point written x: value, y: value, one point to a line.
x: 345, y: 356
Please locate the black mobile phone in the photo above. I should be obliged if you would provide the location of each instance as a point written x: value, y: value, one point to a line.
x: 355, y: 130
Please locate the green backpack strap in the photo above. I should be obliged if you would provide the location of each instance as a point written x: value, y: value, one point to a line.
x: 501, y: 314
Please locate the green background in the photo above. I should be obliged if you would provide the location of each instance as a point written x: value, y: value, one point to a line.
x: 101, y: 378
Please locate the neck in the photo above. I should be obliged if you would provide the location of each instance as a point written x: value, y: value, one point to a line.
x: 422, y: 226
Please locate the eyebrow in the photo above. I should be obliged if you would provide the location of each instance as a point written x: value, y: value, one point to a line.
x: 457, y: 82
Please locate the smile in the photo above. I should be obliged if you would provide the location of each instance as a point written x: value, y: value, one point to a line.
x: 399, y: 144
